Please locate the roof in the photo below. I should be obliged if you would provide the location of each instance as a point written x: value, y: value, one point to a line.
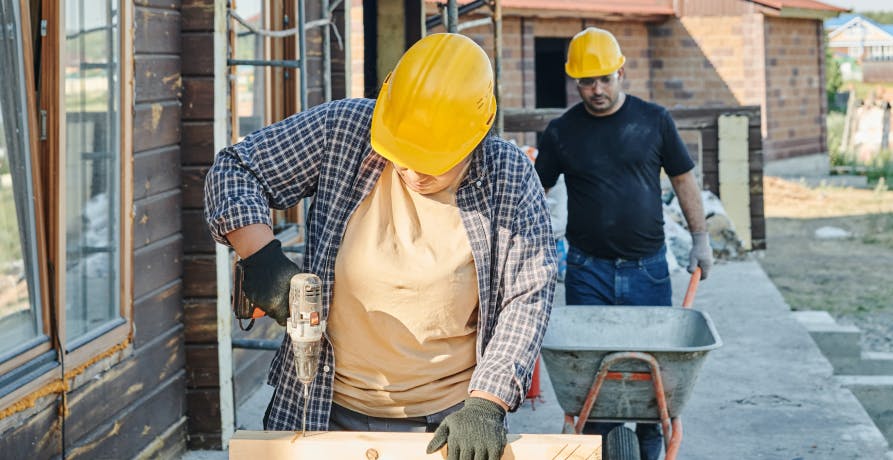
x: 841, y: 29
x: 595, y: 6
x: 585, y: 8
x: 801, y: 5
x: 833, y: 23
x: 804, y: 9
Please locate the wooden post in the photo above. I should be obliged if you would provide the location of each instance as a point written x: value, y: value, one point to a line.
x: 273, y: 445
x: 734, y: 173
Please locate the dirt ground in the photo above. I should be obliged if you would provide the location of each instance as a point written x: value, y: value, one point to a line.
x: 850, y: 277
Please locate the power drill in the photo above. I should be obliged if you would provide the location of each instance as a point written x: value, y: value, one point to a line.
x: 305, y: 327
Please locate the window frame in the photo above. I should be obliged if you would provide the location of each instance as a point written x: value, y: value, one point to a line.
x: 27, y: 50
x: 46, y: 97
x: 122, y: 332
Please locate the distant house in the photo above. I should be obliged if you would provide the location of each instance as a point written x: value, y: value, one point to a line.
x: 860, y: 38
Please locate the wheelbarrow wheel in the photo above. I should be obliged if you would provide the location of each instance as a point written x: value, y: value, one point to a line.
x: 621, y: 444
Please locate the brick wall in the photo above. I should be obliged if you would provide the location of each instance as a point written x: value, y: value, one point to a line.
x: 518, y: 57
x: 707, y: 61
x: 794, y: 88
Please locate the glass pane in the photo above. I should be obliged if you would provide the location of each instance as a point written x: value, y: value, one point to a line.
x: 20, y: 312
x: 91, y: 166
x: 250, y: 94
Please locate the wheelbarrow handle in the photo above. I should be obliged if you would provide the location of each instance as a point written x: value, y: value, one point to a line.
x: 692, y: 288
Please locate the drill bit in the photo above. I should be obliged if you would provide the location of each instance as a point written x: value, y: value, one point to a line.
x: 304, y: 415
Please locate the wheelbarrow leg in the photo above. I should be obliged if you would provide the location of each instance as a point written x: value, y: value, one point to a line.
x: 675, y: 440
x: 672, y: 429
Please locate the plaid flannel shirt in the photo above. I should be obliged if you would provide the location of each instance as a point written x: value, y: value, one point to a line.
x: 325, y: 152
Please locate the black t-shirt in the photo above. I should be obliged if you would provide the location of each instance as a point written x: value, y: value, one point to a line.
x: 612, y: 167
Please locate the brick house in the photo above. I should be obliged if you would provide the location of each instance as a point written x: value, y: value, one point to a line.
x: 854, y: 38
x: 685, y: 53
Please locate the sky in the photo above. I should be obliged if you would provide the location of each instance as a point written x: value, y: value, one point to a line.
x: 863, y: 5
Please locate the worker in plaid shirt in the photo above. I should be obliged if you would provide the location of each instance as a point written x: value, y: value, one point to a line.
x: 433, y: 242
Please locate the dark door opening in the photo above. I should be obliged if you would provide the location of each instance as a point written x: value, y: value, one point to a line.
x: 549, y: 57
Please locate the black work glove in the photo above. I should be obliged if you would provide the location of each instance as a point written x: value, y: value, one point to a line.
x: 267, y: 280
x: 475, y: 432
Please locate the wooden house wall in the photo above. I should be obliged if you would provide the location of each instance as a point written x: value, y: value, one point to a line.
x: 133, y: 403
x: 147, y: 410
x: 199, y: 272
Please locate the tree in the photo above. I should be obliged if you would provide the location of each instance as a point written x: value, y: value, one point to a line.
x: 880, y: 17
x: 833, y: 79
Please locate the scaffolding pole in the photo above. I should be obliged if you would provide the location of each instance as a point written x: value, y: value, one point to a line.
x: 497, y: 61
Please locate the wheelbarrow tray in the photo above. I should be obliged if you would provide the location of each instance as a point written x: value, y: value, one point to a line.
x: 579, y: 337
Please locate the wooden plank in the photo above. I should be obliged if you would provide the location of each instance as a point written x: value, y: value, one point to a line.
x: 202, y: 370
x: 193, y: 187
x: 196, y: 236
x: 198, y: 54
x: 339, y: 444
x: 135, y: 428
x: 156, y: 125
x: 157, y: 312
x: 200, y: 276
x: 157, y: 78
x: 198, y: 143
x: 734, y: 178
x: 128, y: 381
x: 526, y: 120
x: 156, y: 31
x: 203, y: 410
x: 170, y: 444
x: 198, y: 98
x: 200, y: 320
x: 198, y: 15
x: 156, y: 217
x: 204, y: 441
x: 156, y: 265
x: 156, y: 171
x: 39, y: 436
x: 171, y: 4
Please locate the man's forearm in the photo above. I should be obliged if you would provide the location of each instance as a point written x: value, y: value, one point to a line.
x: 689, y: 195
x: 250, y: 238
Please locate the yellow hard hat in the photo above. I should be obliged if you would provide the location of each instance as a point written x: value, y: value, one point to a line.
x: 436, y: 106
x: 592, y: 53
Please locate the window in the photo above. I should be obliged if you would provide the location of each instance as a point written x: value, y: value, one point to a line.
x: 61, y: 192
x: 21, y: 317
x: 91, y: 188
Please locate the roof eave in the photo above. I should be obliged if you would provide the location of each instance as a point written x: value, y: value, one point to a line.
x: 807, y: 13
x: 655, y: 16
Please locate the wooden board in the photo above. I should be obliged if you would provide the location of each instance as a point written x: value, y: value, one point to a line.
x: 272, y: 445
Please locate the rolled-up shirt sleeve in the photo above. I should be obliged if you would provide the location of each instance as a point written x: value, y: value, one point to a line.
x: 273, y: 168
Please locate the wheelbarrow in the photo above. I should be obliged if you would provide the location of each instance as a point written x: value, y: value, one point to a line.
x: 628, y: 364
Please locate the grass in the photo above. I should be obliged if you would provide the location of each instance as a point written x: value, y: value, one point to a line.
x: 863, y: 90
x: 878, y: 171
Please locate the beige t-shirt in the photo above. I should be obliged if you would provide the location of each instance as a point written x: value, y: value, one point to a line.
x: 405, y: 304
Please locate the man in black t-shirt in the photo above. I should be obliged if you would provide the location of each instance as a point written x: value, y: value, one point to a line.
x: 611, y: 148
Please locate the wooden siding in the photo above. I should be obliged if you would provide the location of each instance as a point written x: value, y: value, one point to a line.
x: 136, y: 406
x: 199, y: 271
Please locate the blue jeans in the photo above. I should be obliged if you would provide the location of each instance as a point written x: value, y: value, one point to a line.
x: 645, y: 281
